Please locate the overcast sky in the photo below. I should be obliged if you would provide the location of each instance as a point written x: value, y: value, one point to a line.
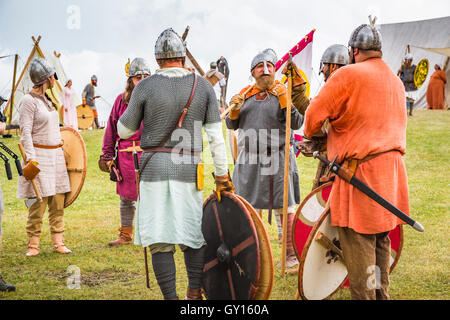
x: 97, y: 37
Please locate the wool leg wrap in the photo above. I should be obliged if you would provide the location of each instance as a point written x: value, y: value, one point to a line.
x: 127, y: 210
x: 194, y: 260
x: 164, y: 269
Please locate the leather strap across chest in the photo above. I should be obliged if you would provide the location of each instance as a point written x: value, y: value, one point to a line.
x: 178, y: 124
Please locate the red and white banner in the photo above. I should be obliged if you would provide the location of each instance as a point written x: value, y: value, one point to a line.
x: 302, y: 57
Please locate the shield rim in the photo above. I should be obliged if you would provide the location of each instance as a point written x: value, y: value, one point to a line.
x: 304, y: 253
x: 400, y: 248
x: 233, y: 196
x: 299, y: 210
x: 68, y: 202
x: 258, y: 221
x: 91, y: 111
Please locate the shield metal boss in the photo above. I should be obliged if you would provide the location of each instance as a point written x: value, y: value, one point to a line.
x: 85, y: 116
x: 76, y: 162
x: 266, y: 278
x: 232, y: 259
x: 321, y: 270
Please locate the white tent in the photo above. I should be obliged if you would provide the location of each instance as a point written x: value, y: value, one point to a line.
x: 433, y: 35
x: 24, y: 84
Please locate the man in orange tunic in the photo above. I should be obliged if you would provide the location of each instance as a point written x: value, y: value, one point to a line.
x: 436, y: 89
x: 364, y: 103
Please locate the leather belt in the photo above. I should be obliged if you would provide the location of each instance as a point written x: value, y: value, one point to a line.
x: 268, y: 150
x: 171, y: 150
x: 352, y: 164
x: 40, y: 146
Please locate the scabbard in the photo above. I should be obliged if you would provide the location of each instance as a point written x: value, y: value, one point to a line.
x: 136, y: 169
x: 348, y: 176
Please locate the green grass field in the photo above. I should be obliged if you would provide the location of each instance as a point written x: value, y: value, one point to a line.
x: 118, y: 273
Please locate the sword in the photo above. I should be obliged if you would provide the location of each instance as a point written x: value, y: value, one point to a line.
x: 348, y: 177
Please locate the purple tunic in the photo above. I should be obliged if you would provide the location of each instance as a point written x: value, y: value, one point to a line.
x: 127, y: 187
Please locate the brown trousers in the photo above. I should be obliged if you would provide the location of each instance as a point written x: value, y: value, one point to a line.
x: 368, y: 262
x: 55, y: 215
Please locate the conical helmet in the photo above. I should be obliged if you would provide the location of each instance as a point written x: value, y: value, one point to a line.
x: 268, y: 55
x: 365, y: 37
x: 169, y: 45
x: 40, y: 71
x: 138, y: 66
x: 336, y: 54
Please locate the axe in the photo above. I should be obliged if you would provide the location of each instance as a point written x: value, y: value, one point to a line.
x: 30, y: 202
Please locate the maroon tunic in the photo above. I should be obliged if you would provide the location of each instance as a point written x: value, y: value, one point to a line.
x: 127, y: 187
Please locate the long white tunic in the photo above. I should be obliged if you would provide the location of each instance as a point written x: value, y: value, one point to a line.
x: 170, y: 211
x: 70, y: 111
x: 39, y: 124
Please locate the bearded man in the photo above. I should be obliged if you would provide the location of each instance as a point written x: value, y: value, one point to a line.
x: 367, y: 135
x: 173, y: 105
x: 259, y: 113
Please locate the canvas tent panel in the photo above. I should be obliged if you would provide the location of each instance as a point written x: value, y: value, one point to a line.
x: 25, y: 84
x: 433, y: 33
x: 442, y: 51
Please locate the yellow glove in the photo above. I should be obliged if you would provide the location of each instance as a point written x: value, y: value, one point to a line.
x: 297, y: 78
x: 30, y: 171
x: 223, y: 183
x: 236, y: 103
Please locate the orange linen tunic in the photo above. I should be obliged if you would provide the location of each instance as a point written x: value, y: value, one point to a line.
x: 365, y: 103
x: 436, y: 90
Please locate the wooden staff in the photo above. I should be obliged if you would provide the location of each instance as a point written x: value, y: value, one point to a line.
x: 286, y: 165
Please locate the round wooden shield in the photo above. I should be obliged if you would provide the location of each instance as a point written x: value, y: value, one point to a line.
x: 313, y: 206
x: 421, y: 72
x: 232, y: 259
x: 266, y: 278
x: 85, y: 117
x: 76, y: 162
x: 321, y: 271
x: 307, y: 214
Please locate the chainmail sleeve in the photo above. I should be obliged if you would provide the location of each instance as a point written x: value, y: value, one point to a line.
x: 131, y: 119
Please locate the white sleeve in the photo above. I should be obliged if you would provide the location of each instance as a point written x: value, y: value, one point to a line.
x: 217, y: 147
x: 222, y: 82
x: 123, y: 131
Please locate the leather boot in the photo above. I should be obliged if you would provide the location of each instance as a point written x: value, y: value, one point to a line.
x: 291, y: 258
x: 33, y: 246
x: 193, y: 294
x: 97, y: 125
x: 6, y: 287
x: 58, y: 243
x: 125, y: 237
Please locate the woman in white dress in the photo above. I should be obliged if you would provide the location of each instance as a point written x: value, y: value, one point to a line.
x: 41, y: 140
x: 69, y: 109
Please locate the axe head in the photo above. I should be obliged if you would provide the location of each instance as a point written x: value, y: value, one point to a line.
x: 30, y: 202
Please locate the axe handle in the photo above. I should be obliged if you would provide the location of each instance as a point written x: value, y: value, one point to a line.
x: 33, y: 182
x: 227, y: 110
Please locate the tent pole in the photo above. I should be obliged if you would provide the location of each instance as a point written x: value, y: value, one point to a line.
x: 16, y: 57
